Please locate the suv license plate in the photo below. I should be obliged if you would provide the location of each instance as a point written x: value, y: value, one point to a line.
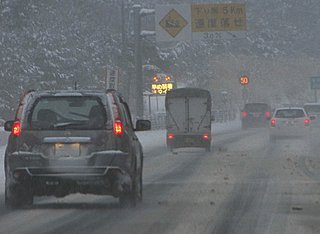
x: 67, y: 150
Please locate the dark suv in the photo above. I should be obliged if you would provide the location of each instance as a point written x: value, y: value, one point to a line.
x: 255, y: 115
x: 65, y: 142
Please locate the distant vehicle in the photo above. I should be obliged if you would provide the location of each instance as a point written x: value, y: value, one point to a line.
x: 65, y: 142
x: 188, y: 113
x: 255, y: 115
x: 289, y: 122
x: 313, y: 110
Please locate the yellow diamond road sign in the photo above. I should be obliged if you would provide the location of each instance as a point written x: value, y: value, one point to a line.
x: 173, y: 23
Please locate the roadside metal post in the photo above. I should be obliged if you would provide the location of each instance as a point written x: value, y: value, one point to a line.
x: 105, y: 79
x: 139, y: 12
x: 137, y: 60
x: 124, y: 52
x: 149, y: 105
x: 245, y: 95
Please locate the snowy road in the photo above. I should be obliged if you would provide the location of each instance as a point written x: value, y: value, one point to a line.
x: 245, y: 186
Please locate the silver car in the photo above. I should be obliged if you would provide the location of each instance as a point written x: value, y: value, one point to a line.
x: 289, y: 122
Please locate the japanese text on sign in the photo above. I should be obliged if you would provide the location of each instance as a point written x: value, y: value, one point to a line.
x: 161, y: 88
x: 112, y: 79
x: 218, y: 17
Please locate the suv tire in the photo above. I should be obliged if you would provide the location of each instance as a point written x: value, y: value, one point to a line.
x: 17, y: 196
x: 131, y: 199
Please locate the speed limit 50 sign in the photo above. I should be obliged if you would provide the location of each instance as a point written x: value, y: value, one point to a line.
x: 244, y: 80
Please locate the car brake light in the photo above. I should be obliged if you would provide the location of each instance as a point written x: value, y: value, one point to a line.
x: 244, y: 114
x: 170, y: 136
x: 306, y: 122
x: 117, y: 127
x: 273, y: 122
x: 16, y: 129
x: 205, y: 136
x: 267, y: 114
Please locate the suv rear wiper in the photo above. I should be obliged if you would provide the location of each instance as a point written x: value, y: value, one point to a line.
x: 68, y: 124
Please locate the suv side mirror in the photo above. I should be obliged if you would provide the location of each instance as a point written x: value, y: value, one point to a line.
x: 143, y: 125
x: 8, y: 125
x: 212, y: 118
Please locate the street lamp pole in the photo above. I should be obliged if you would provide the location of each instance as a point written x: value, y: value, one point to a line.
x: 139, y: 12
x: 125, y: 79
x: 138, y: 60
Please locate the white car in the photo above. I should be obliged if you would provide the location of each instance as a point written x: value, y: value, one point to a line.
x: 289, y: 122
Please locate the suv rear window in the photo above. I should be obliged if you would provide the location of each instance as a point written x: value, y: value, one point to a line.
x: 58, y: 113
x: 256, y: 107
x: 292, y: 113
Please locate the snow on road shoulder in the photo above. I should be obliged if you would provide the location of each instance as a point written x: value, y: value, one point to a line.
x: 151, y: 139
x: 226, y: 127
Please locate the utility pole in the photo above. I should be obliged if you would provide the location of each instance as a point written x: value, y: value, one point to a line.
x: 138, y: 12
x: 138, y: 60
x: 125, y: 79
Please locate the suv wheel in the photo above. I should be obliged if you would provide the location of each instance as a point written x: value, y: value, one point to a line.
x: 17, y: 196
x: 132, y: 198
x: 139, y: 187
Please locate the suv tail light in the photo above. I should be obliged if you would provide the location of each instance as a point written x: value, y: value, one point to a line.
x: 306, y: 122
x: 117, y: 127
x: 16, y: 129
x: 170, y: 136
x: 273, y: 122
x: 244, y: 114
